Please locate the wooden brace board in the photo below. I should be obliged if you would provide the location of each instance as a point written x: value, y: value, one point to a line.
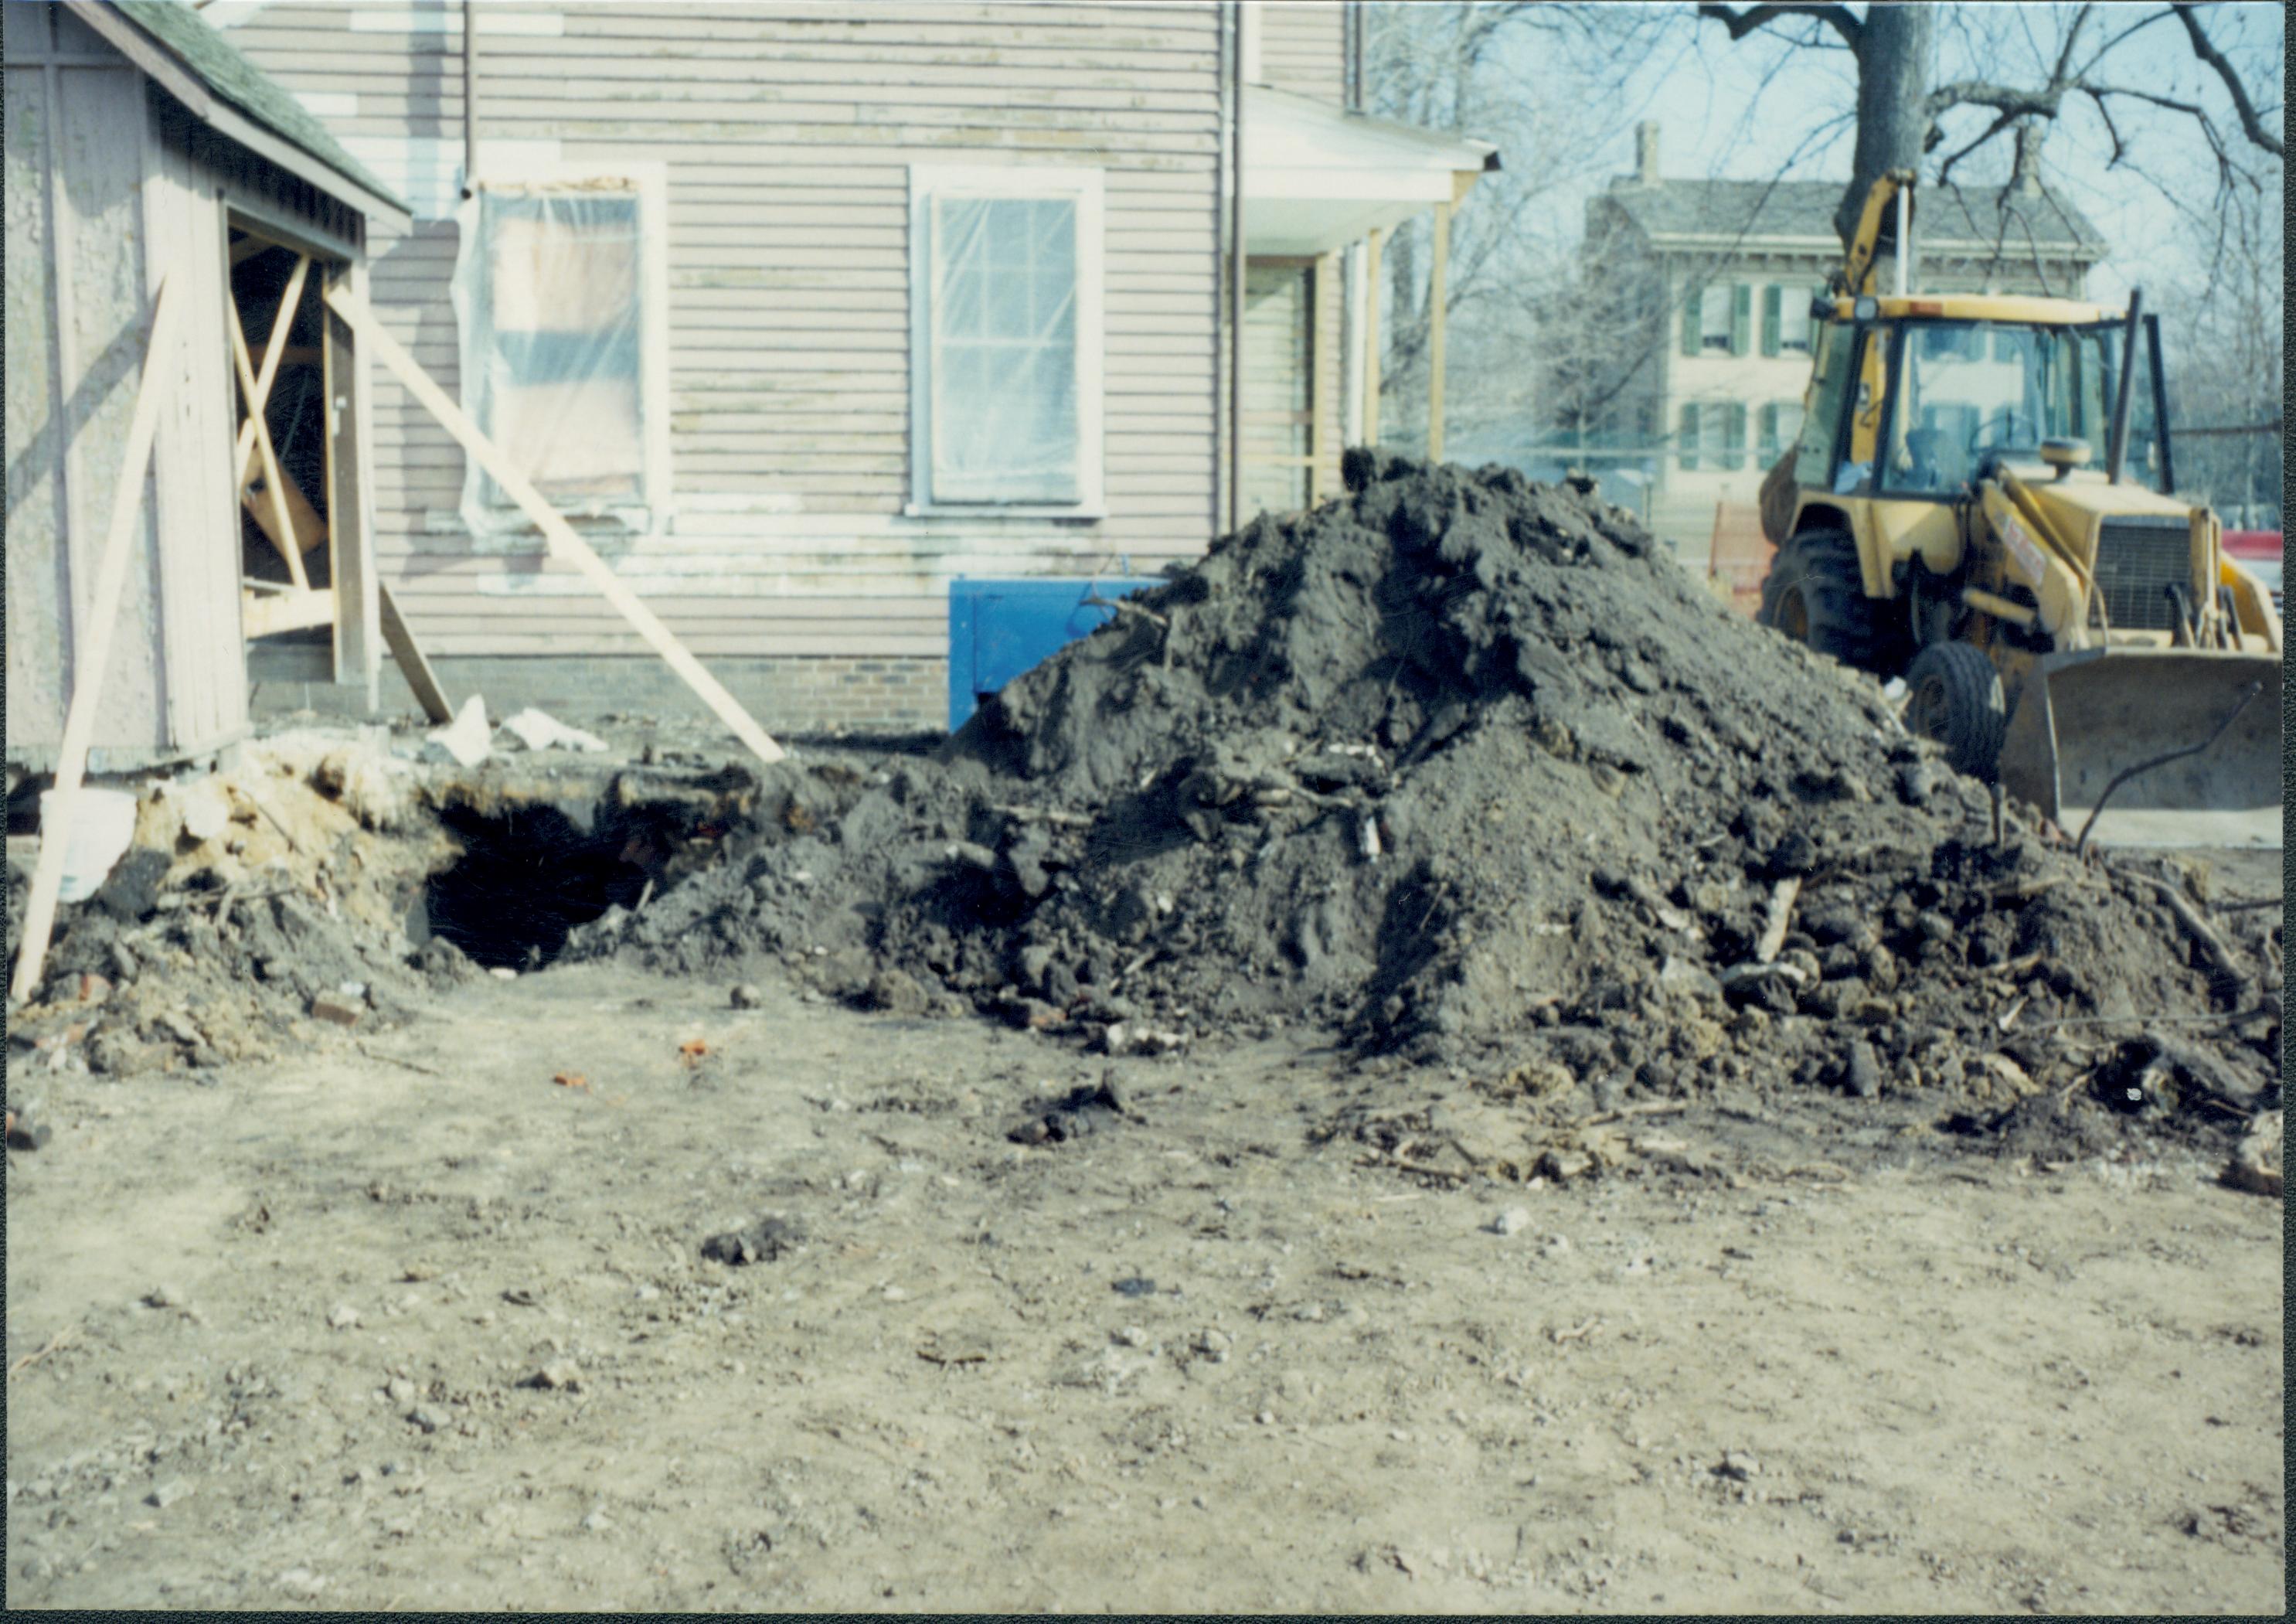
x: 412, y: 662
x: 87, y: 676
x: 564, y: 543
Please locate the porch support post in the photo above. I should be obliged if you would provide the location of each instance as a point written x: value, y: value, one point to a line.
x: 1377, y: 240
x: 1436, y: 293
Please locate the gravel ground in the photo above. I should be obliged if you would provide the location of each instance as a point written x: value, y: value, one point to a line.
x: 410, y: 1323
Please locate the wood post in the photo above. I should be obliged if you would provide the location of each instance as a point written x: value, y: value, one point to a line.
x: 563, y: 542
x: 1437, y: 294
x: 353, y: 569
x: 1377, y: 240
x: 95, y: 653
x: 1325, y: 341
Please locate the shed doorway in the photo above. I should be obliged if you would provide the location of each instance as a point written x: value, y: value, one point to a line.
x: 285, y: 360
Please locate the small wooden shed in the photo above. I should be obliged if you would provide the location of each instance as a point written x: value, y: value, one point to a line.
x: 140, y: 148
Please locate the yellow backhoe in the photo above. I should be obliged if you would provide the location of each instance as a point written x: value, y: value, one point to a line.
x: 2066, y: 630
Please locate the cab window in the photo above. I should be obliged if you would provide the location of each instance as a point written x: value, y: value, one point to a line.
x: 1820, y: 424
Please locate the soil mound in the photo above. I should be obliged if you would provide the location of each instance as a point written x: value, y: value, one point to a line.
x: 1459, y: 767
x: 255, y: 908
x: 325, y: 883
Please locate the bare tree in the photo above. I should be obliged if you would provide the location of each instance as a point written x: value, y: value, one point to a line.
x: 1467, y: 68
x: 2098, y: 61
x: 2225, y: 328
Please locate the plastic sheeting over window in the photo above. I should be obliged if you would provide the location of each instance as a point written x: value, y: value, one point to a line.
x: 1003, y: 365
x: 548, y: 294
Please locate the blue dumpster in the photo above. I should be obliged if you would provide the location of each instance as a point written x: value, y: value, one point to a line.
x: 998, y: 630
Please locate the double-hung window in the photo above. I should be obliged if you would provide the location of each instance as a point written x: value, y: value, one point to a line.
x: 558, y: 295
x: 1712, y: 434
x: 1780, y: 427
x: 1786, y: 321
x: 1006, y: 339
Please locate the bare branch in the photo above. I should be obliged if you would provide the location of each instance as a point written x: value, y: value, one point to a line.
x: 2072, y: 39
x: 2119, y: 147
x: 2202, y: 48
x: 2042, y: 102
x: 2106, y: 49
x: 2003, y: 122
x: 2170, y: 102
x: 1841, y: 19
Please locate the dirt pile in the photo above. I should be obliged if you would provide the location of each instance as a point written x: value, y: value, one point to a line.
x: 253, y: 906
x: 327, y: 883
x: 1457, y: 767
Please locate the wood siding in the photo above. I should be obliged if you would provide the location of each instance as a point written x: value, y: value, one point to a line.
x: 787, y: 131
x: 77, y: 319
x: 198, y: 498
x: 1303, y: 48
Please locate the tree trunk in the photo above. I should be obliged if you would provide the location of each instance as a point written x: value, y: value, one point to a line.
x: 1895, y: 51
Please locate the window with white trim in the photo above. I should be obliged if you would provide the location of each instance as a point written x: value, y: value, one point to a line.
x: 1006, y: 340
x: 1793, y: 319
x: 558, y: 291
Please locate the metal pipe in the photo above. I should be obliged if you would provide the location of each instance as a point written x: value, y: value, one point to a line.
x: 1905, y: 227
x: 1219, y: 268
x: 469, y: 98
x: 2116, y: 444
x: 1236, y: 279
x: 1355, y: 16
x: 1998, y: 607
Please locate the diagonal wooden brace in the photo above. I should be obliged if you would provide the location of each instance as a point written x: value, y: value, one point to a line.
x: 271, y: 474
x: 160, y: 367
x: 563, y: 541
x: 275, y: 350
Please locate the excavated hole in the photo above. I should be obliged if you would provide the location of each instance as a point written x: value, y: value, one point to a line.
x: 529, y: 874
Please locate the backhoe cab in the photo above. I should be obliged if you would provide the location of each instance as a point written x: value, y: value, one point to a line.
x: 1983, y: 500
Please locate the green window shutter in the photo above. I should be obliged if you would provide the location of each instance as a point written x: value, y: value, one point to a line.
x: 1690, y: 323
x: 1734, y: 434
x: 1769, y: 451
x: 1742, y: 318
x: 1773, y: 309
x: 1689, y: 437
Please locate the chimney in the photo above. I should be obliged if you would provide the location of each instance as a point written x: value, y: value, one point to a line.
x: 2026, y: 168
x: 1646, y: 152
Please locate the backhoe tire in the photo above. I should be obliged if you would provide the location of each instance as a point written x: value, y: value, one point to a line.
x: 1954, y: 697
x: 1815, y: 594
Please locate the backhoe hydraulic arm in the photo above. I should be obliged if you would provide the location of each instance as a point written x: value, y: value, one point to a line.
x: 1877, y: 231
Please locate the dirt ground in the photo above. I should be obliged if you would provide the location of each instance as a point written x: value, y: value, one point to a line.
x: 406, y: 1323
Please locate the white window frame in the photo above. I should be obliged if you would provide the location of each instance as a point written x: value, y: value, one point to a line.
x: 1726, y: 293
x: 1084, y: 187
x: 650, y: 179
x: 1793, y: 305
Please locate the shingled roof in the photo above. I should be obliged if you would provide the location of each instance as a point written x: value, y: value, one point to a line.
x: 1960, y: 217
x: 202, y: 51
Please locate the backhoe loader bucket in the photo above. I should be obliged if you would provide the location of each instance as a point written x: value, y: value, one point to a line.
x: 2084, y: 717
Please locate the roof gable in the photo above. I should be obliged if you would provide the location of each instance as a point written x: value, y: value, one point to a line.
x: 197, y: 47
x: 1802, y: 212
